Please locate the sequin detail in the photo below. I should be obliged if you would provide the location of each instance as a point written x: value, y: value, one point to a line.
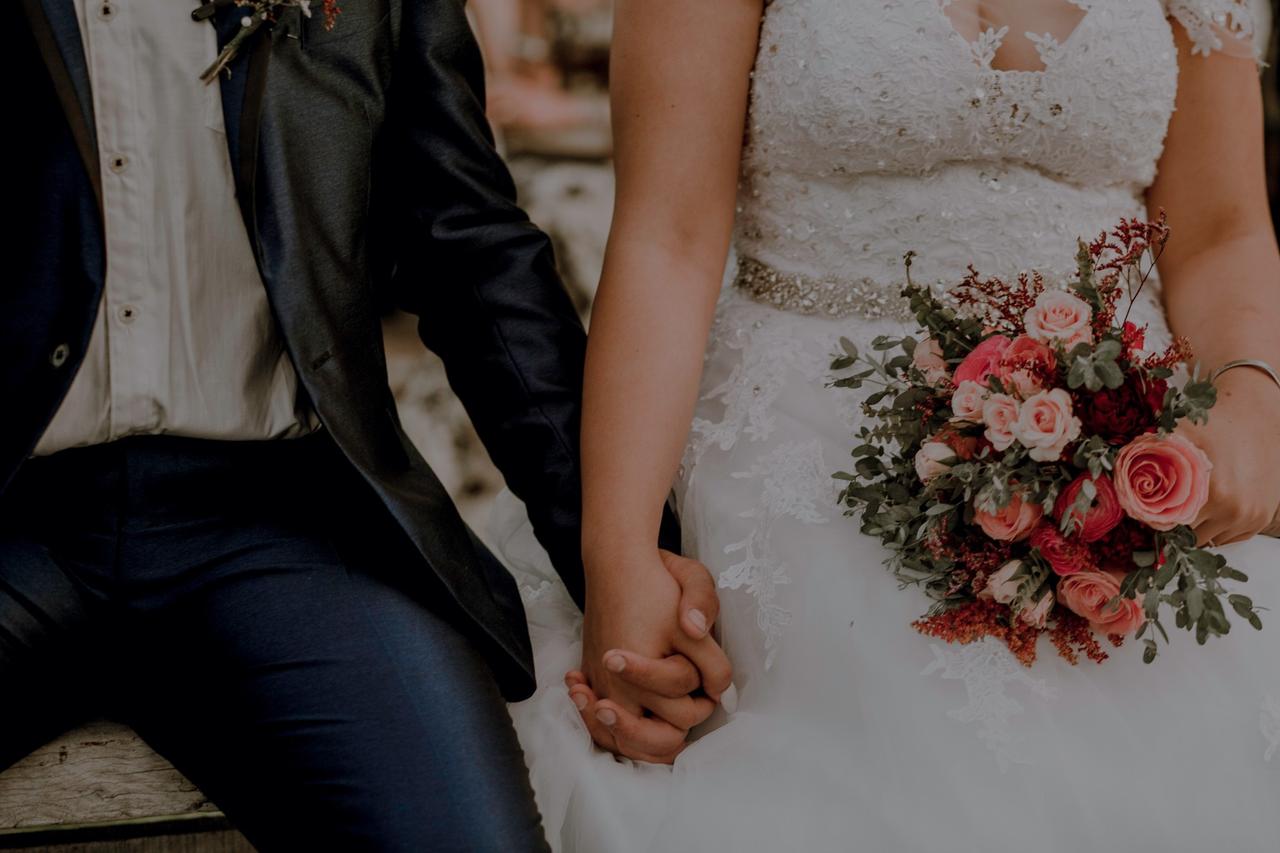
x: 832, y: 297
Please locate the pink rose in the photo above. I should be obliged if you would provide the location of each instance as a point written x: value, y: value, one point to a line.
x: 932, y: 459
x: 1000, y: 585
x: 1162, y: 481
x: 1059, y: 317
x: 966, y: 402
x: 1012, y: 523
x: 1104, y: 511
x: 928, y: 360
x: 983, y: 361
x: 1027, y: 367
x: 1037, y: 615
x: 1046, y: 425
x: 1065, y: 556
x: 1089, y: 595
x: 1000, y: 413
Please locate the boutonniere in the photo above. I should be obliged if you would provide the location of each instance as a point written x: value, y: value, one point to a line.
x: 256, y: 14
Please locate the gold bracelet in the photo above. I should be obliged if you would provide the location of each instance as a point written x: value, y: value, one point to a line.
x: 1246, y: 362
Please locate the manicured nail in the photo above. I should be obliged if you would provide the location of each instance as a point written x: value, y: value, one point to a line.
x: 579, y: 700
x: 607, y: 717
x: 615, y: 663
x: 729, y: 699
x: 699, y: 620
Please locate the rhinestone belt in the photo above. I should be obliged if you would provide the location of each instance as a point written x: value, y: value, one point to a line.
x: 830, y: 297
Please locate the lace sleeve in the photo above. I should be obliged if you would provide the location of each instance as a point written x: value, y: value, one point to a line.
x: 1217, y: 25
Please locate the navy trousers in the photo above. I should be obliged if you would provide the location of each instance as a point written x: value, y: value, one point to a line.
x: 255, y: 616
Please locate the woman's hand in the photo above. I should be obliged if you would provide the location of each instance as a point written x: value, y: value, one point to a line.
x: 1242, y: 440
x: 646, y: 647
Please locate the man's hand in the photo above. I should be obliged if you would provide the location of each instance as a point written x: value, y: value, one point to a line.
x: 647, y: 648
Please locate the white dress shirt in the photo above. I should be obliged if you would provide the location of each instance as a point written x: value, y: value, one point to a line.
x: 185, y: 342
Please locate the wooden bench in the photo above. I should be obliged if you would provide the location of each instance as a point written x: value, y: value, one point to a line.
x: 100, y: 788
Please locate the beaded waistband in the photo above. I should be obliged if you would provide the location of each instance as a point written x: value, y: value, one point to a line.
x: 828, y: 297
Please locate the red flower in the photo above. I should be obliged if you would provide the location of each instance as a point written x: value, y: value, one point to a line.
x: 1115, y: 551
x: 1103, y: 515
x: 1121, y: 414
x: 1027, y: 367
x: 983, y: 361
x: 1134, y: 337
x: 1064, y: 556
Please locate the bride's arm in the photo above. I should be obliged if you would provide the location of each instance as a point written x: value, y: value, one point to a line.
x: 679, y: 80
x: 1221, y: 274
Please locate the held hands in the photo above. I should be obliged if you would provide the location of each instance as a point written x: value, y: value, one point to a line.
x: 1242, y: 440
x: 646, y: 650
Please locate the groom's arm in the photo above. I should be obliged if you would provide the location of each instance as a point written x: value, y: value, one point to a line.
x: 481, y: 278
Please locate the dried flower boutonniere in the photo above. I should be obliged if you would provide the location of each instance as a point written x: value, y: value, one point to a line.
x: 257, y: 13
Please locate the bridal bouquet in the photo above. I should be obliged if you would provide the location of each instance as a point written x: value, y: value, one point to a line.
x: 1023, y: 467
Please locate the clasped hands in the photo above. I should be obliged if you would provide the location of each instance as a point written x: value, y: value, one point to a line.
x: 651, y: 670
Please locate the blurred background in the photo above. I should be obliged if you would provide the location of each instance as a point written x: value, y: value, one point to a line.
x: 548, y: 101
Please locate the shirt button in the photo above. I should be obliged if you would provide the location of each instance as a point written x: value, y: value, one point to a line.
x: 60, y: 355
x: 126, y: 314
x: 118, y: 163
x: 107, y: 10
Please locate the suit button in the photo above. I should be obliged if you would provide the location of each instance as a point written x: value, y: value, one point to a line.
x: 60, y: 355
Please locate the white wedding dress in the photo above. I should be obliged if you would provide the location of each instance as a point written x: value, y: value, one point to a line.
x: 877, y: 128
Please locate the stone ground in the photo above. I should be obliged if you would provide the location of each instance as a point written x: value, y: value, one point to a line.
x: 572, y: 201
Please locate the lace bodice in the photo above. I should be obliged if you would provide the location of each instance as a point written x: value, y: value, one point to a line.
x: 877, y: 128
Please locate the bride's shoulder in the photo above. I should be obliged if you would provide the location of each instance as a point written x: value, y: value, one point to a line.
x: 1227, y: 26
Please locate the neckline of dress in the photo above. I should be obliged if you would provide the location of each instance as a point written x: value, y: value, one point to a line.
x: 968, y: 54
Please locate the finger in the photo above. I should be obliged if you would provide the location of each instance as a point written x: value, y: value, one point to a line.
x: 699, y: 604
x: 1209, y: 531
x: 584, y: 699
x: 671, y: 677
x: 683, y: 713
x: 646, y: 735
x: 711, y: 662
x: 575, y: 676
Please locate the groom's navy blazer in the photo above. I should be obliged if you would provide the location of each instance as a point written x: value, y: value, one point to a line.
x: 367, y: 176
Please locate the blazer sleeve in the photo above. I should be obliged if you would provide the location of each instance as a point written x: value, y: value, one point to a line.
x: 480, y: 277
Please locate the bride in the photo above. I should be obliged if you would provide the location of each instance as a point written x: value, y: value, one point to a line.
x: 994, y: 133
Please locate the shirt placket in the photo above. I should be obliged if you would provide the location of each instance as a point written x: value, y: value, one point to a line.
x: 135, y: 336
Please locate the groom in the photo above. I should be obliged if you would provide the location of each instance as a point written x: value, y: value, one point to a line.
x: 212, y: 525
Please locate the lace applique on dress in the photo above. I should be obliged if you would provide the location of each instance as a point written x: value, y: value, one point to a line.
x: 1217, y: 25
x: 987, y: 668
x: 1269, y: 722
x: 794, y: 482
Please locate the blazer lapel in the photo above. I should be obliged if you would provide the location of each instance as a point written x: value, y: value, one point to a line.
x: 57, y: 35
x: 243, y: 85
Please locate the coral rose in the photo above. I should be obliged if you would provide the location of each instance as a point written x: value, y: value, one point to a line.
x: 1046, y: 425
x: 1012, y: 523
x: 1104, y: 512
x: 1000, y: 413
x: 1059, y: 317
x: 928, y: 360
x: 1162, y: 481
x: 966, y: 402
x: 1089, y: 595
x: 1027, y: 367
x: 1065, y: 556
x: 983, y: 361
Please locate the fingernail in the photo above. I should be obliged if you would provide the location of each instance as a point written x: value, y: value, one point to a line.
x: 729, y: 699
x: 615, y: 663
x: 606, y: 716
x: 699, y: 620
x: 579, y: 700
